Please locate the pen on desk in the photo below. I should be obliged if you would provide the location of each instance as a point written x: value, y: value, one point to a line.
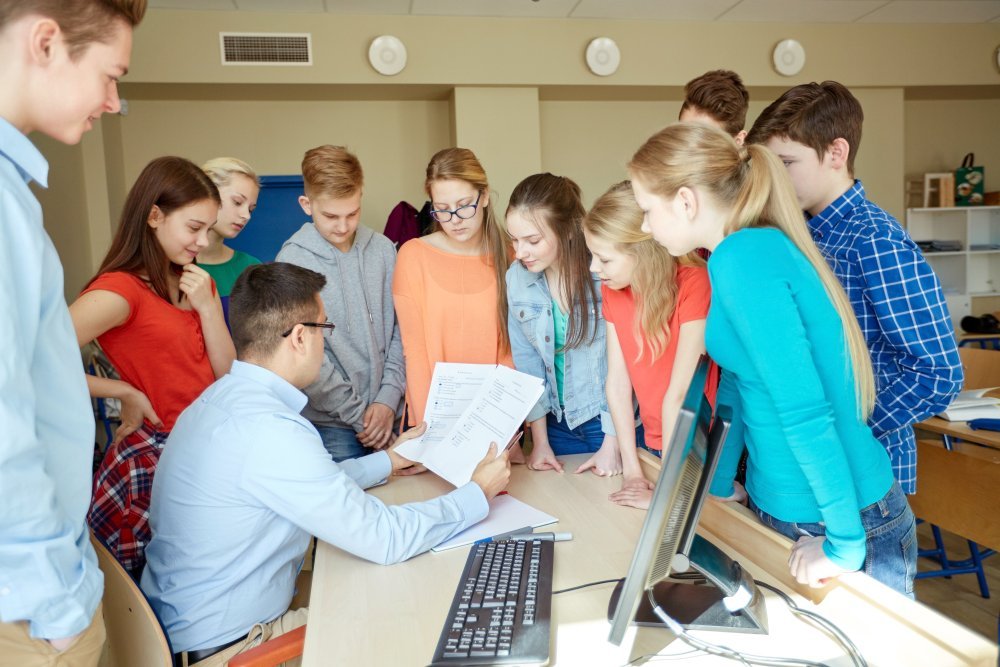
x: 549, y: 537
x: 505, y: 536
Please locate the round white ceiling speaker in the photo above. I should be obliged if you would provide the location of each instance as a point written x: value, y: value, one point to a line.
x: 603, y: 56
x: 789, y: 57
x: 387, y: 55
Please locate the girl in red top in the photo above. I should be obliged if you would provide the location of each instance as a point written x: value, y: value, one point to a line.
x: 159, y: 320
x: 655, y: 308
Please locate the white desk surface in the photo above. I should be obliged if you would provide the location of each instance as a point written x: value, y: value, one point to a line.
x: 366, y: 614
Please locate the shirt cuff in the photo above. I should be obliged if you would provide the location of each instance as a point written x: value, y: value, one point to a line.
x: 390, y: 396
x: 369, y: 470
x: 607, y: 426
x: 471, y: 499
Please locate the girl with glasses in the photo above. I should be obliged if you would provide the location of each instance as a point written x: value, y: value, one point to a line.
x: 448, y: 287
x: 158, y: 318
x: 655, y: 307
x: 555, y: 325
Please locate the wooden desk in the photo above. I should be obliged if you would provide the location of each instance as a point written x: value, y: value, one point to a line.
x: 950, y: 430
x: 367, y: 614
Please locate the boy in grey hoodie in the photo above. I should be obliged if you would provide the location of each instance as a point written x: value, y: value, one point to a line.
x: 355, y: 401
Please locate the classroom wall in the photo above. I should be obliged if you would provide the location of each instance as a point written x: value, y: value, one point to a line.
x: 516, y: 91
x: 940, y: 132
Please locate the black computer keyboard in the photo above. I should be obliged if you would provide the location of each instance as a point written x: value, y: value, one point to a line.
x: 500, y: 614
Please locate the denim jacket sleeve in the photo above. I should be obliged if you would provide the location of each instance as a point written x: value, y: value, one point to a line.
x: 526, y: 356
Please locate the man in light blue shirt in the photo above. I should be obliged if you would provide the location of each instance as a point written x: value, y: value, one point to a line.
x: 59, y: 67
x: 244, y: 481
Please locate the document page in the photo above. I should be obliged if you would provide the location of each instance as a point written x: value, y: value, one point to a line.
x: 453, y: 387
x: 507, y: 514
x: 494, y: 415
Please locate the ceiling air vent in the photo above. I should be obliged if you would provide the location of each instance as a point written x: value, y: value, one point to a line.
x: 266, y: 48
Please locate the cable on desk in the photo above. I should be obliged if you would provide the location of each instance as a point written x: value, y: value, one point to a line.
x: 593, y: 583
x: 719, y: 649
x: 839, y: 635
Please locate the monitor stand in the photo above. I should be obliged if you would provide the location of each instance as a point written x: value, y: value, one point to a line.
x: 701, y: 607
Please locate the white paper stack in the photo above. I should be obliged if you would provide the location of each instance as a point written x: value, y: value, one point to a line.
x: 974, y: 404
x: 468, y: 407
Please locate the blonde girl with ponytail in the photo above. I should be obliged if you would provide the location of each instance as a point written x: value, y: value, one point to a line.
x: 797, y: 373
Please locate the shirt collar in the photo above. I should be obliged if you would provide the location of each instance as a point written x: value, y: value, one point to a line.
x: 22, y: 153
x: 283, y: 389
x: 840, y: 208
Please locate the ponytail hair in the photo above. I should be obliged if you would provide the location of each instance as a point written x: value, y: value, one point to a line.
x: 617, y: 219
x: 168, y: 183
x: 753, y: 184
x: 461, y: 164
x: 556, y: 203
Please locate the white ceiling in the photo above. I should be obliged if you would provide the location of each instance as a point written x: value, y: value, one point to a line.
x: 775, y: 11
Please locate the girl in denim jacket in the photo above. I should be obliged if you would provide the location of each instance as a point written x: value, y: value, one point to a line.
x: 555, y: 325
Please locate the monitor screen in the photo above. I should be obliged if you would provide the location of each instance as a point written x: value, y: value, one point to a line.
x: 668, y: 541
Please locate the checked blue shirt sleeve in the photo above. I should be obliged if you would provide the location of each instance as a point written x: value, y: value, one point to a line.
x: 906, y: 299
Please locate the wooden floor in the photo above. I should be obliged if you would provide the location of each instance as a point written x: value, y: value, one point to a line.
x: 958, y: 598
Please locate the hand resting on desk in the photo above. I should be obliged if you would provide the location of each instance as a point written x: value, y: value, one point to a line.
x: 809, y: 564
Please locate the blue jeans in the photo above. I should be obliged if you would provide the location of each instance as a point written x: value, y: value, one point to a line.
x: 890, y: 538
x: 586, y: 438
x: 342, y: 443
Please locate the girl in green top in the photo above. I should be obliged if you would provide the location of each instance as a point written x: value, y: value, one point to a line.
x: 239, y: 186
x: 796, y: 370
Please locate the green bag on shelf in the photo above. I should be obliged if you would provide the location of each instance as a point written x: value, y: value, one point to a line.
x: 970, y: 182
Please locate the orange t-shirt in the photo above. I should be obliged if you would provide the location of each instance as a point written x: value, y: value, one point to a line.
x: 650, y: 377
x: 446, y: 305
x: 159, y: 349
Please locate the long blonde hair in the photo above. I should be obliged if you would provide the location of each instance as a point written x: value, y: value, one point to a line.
x: 222, y: 169
x: 753, y: 184
x: 617, y: 219
x: 461, y: 164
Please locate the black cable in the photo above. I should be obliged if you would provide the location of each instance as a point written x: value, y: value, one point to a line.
x: 593, y: 583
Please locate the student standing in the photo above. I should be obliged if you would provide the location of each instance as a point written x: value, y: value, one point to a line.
x: 717, y: 98
x: 238, y: 188
x: 358, y: 395
x: 59, y: 68
x: 655, y: 309
x: 797, y: 373
x: 555, y: 324
x: 449, y: 286
x: 815, y: 130
x: 158, y: 318
x: 245, y: 482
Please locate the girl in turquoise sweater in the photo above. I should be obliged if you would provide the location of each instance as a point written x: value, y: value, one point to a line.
x: 796, y: 369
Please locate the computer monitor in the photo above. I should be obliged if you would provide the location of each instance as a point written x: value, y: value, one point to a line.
x: 668, y: 542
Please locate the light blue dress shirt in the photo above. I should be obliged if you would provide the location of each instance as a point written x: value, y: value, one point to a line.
x: 241, y: 485
x: 788, y: 379
x: 48, y: 569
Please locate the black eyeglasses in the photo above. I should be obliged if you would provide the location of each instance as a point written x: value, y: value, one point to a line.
x: 462, y: 212
x: 329, y: 326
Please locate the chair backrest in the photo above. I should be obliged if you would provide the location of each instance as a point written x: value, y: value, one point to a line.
x: 982, y: 367
x: 135, y: 636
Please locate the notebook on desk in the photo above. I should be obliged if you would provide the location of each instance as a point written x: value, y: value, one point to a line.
x: 507, y: 514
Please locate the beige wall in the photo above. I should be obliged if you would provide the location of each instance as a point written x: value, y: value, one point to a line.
x: 940, y: 132
x: 515, y: 91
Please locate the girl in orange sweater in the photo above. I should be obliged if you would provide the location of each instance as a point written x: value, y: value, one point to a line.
x: 449, y: 287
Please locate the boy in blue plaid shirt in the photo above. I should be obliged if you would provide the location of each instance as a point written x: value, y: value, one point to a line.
x: 815, y: 129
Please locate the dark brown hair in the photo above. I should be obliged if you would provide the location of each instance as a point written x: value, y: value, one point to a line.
x: 720, y: 94
x: 555, y: 201
x: 461, y: 164
x: 169, y: 183
x: 82, y: 22
x: 813, y: 114
x: 268, y: 300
